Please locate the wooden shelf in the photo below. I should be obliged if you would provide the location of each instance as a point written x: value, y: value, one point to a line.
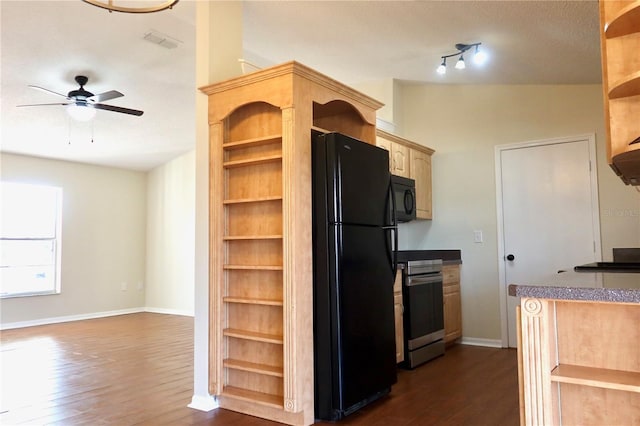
x: 320, y: 129
x: 253, y: 200
x: 255, y: 267
x: 264, y: 140
x: 251, y: 237
x: 629, y: 86
x: 252, y: 301
x: 253, y: 367
x: 275, y: 401
x: 252, y: 161
x: 625, y: 22
x: 252, y: 335
x: 597, y: 377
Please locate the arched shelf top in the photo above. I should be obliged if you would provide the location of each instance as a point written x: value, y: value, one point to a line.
x: 625, y: 22
x: 336, y: 107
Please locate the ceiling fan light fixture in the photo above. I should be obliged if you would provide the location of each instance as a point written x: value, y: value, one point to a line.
x: 81, y: 112
x: 156, y: 6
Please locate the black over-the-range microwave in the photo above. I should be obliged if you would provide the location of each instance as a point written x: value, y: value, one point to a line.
x: 404, y: 191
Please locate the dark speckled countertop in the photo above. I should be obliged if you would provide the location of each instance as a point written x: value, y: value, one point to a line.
x: 449, y: 257
x: 586, y: 286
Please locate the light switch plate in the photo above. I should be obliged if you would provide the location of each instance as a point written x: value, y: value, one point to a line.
x: 477, y: 236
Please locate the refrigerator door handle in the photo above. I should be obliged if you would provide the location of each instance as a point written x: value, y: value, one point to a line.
x: 394, y: 228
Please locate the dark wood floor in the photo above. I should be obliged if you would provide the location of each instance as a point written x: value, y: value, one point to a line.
x: 137, y: 370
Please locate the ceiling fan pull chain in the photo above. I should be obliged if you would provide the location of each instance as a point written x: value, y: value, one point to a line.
x: 92, y: 126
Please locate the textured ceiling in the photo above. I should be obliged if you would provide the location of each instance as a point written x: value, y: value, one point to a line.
x: 47, y: 43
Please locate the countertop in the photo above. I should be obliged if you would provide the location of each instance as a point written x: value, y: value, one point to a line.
x: 449, y: 257
x: 586, y: 286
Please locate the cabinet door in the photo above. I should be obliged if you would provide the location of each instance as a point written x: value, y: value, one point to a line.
x: 452, y: 303
x: 420, y: 168
x: 452, y: 317
x: 400, y: 160
x: 385, y: 144
x: 397, y: 310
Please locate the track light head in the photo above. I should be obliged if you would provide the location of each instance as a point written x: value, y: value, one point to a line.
x: 460, y: 64
x: 442, y: 69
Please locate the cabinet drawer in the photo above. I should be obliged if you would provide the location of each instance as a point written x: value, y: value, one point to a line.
x: 450, y: 274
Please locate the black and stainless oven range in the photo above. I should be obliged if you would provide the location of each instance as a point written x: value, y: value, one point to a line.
x: 423, y: 311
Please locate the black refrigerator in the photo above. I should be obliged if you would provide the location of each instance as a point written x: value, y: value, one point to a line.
x: 354, y: 239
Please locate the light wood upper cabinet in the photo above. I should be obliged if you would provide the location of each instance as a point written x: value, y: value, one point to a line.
x: 620, y: 44
x: 411, y: 160
x: 261, y: 278
x: 420, y: 166
x: 452, y: 303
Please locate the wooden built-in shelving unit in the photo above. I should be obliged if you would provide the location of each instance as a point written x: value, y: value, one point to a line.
x: 580, y: 362
x: 261, y: 284
x: 620, y: 44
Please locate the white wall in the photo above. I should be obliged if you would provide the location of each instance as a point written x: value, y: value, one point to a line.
x: 171, y: 236
x: 103, y: 239
x: 464, y: 124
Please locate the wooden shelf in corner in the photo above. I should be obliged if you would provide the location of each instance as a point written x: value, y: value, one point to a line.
x: 253, y: 367
x: 255, y: 267
x: 246, y: 143
x: 251, y: 237
x: 253, y: 200
x: 275, y: 401
x: 252, y: 335
x: 627, y: 21
x: 597, y: 377
x: 252, y: 161
x: 252, y: 301
x: 626, y: 87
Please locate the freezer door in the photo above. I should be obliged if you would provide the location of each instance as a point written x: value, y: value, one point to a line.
x: 365, y: 328
x: 359, y: 179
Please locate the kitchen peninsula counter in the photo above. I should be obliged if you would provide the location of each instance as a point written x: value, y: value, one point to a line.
x: 578, y: 353
x: 585, y: 286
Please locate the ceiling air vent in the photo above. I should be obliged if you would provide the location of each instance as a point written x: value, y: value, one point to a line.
x: 160, y: 39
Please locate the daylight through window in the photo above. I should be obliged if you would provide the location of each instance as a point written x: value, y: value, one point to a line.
x: 30, y: 239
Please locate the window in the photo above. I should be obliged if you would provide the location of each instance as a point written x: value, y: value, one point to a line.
x: 30, y: 239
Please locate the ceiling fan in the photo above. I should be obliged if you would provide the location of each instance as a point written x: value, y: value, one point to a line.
x: 84, y: 103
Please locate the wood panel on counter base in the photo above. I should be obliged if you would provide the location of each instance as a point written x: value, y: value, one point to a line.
x: 580, y: 362
x: 138, y: 369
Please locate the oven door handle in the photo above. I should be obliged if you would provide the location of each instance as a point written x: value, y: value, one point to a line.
x: 422, y: 280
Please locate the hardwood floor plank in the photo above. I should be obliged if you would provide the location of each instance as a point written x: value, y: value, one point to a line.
x: 137, y: 369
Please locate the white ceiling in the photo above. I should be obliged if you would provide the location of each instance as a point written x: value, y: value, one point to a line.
x: 47, y: 43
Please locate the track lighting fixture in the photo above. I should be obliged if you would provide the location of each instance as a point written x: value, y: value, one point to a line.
x: 479, y: 57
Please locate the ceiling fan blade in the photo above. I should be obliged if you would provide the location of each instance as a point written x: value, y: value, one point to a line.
x: 48, y: 91
x: 118, y: 109
x: 101, y: 97
x: 57, y: 103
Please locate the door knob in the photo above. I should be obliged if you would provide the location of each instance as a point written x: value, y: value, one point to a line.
x: 510, y: 257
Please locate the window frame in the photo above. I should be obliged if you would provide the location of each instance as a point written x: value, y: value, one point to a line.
x: 56, y: 287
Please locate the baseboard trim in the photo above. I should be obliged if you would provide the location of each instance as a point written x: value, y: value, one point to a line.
x: 169, y: 311
x: 203, y: 403
x: 68, y: 318
x: 489, y: 343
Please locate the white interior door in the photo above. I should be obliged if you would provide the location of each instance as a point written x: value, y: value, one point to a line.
x: 550, y: 220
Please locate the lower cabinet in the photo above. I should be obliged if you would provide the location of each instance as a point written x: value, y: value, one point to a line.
x: 398, y: 310
x: 452, y: 303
